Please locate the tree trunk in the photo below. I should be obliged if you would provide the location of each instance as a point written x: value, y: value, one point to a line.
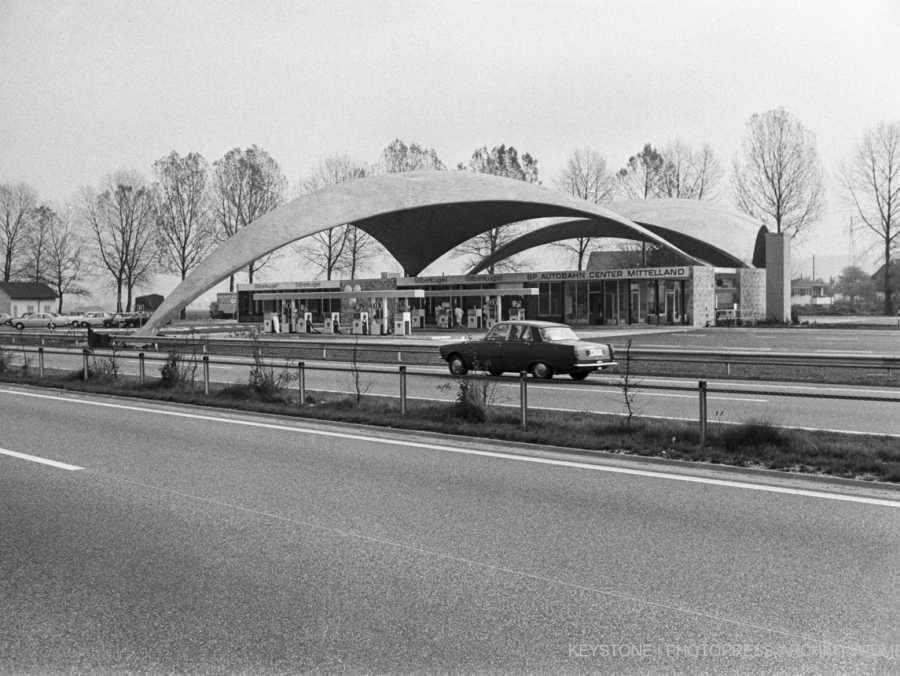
x: 888, y: 300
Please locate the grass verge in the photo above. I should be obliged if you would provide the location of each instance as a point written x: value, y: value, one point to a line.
x: 754, y: 444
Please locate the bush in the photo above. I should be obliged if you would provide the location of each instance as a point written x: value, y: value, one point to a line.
x: 177, y: 372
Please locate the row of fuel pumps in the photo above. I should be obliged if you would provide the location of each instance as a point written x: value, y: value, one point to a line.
x: 360, y: 325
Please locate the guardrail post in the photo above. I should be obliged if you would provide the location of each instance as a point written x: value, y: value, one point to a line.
x: 402, y: 390
x: 206, y: 374
x: 41, y: 362
x: 301, y: 381
x: 141, y: 367
x: 523, y: 397
x: 84, y: 362
x: 702, y: 388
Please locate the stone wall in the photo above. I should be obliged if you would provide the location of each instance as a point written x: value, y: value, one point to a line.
x: 703, y: 296
x: 752, y: 293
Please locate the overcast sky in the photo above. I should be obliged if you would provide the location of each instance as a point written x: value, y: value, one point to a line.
x: 87, y: 87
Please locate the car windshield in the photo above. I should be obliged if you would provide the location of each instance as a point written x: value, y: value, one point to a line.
x: 551, y: 334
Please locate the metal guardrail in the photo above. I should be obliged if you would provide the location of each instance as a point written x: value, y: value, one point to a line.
x: 340, y: 349
x: 702, y: 389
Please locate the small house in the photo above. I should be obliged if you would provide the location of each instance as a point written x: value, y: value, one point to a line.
x: 17, y: 298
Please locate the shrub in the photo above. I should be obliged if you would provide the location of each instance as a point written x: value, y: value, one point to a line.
x: 178, y: 371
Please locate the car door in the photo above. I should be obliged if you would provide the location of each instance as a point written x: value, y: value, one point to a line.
x: 517, y: 351
x: 489, y: 352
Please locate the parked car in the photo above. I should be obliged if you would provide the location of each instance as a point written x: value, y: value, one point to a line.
x: 36, y: 319
x: 5, y: 319
x: 94, y: 319
x: 540, y: 348
x: 73, y: 320
x: 126, y: 320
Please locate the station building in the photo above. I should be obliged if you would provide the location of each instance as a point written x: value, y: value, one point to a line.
x: 693, y: 263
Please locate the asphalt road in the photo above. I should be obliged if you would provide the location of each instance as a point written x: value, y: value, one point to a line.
x: 196, y: 541
x: 784, y: 404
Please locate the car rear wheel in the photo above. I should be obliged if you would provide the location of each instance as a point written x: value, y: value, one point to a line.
x: 457, y: 365
x: 495, y: 372
x: 579, y: 375
x: 51, y: 325
x: 542, y: 370
x: 20, y: 326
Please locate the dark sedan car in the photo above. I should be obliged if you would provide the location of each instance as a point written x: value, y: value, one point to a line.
x: 540, y: 348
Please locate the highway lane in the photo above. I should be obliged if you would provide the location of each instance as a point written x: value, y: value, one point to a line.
x: 200, y: 541
x: 800, y: 340
x: 750, y: 401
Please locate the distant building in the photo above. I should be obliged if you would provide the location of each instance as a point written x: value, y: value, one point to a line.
x: 17, y: 298
x: 878, y: 278
x: 148, y: 303
x: 806, y: 291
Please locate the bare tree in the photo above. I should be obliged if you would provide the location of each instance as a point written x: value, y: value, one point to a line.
x: 585, y: 177
x: 505, y: 161
x: 17, y: 202
x: 122, y: 218
x: 186, y: 228
x: 398, y: 157
x: 872, y: 179
x: 641, y: 177
x: 343, y: 248
x: 689, y: 174
x: 778, y: 177
x: 65, y: 257
x: 36, y: 249
x: 247, y: 184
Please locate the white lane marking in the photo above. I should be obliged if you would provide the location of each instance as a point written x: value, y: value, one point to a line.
x: 42, y: 461
x: 486, y: 454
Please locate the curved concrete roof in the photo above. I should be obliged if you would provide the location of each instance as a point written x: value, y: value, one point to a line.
x: 417, y: 216
x: 713, y: 234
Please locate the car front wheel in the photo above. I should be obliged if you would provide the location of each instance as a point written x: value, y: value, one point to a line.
x: 20, y: 326
x: 542, y: 371
x: 457, y: 365
x: 51, y: 325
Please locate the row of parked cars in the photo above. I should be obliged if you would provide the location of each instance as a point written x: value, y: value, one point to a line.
x: 87, y: 320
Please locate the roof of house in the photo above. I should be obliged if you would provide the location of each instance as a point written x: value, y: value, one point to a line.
x: 27, y: 290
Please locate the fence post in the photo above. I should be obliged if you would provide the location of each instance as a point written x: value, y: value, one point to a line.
x: 301, y: 381
x: 702, y: 388
x: 523, y: 397
x: 41, y: 362
x: 84, y: 362
x: 206, y: 374
x: 141, y: 366
x: 402, y: 390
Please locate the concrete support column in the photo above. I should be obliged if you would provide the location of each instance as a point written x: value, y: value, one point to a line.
x: 778, y: 277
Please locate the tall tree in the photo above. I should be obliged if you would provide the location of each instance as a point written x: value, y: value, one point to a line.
x: 343, y: 248
x: 38, y: 234
x: 778, y: 176
x: 505, y: 161
x: 399, y: 157
x: 585, y: 177
x: 65, y: 257
x: 872, y: 179
x: 687, y: 173
x: 185, y: 225
x: 641, y: 177
x: 247, y: 184
x: 17, y: 202
x: 856, y: 286
x: 122, y: 218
